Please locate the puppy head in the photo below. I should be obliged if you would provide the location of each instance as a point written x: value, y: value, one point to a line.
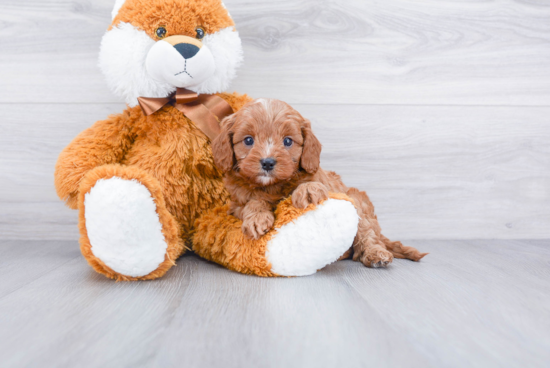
x: 266, y: 142
x: 155, y: 46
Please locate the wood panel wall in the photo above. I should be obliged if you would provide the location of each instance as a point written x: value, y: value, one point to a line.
x: 440, y: 109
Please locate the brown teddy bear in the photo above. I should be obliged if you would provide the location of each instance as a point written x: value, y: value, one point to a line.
x: 145, y: 182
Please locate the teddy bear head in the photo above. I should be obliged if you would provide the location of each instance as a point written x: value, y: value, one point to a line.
x: 155, y: 46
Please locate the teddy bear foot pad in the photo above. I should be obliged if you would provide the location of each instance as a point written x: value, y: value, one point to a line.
x: 124, y: 228
x: 313, y: 240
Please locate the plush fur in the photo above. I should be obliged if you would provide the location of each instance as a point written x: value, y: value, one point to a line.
x: 286, y: 250
x: 268, y: 129
x: 124, y: 227
x: 131, y: 41
x: 116, y: 8
x: 335, y: 222
x: 167, y: 146
x: 171, y: 229
x: 144, y: 184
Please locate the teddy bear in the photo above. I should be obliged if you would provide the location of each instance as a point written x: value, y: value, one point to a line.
x: 144, y: 181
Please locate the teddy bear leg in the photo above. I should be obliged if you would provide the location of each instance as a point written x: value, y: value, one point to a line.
x: 302, y: 241
x: 314, y: 240
x: 126, y: 231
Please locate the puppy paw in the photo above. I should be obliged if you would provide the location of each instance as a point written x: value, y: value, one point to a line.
x: 309, y: 193
x: 376, y: 258
x: 258, y: 225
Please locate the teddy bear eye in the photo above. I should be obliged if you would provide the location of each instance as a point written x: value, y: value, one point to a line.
x: 288, y: 142
x: 161, y: 32
x: 200, y: 33
x: 248, y: 141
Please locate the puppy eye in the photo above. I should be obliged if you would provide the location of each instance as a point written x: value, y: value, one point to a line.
x: 288, y: 142
x: 200, y: 33
x: 161, y: 32
x: 248, y: 141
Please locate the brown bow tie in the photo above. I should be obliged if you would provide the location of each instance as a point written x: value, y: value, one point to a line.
x: 206, y: 111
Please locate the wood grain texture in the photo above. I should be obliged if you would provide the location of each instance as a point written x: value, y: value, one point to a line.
x: 469, y: 303
x: 309, y: 51
x: 433, y: 172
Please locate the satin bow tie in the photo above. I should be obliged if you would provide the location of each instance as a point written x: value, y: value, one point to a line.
x: 206, y: 111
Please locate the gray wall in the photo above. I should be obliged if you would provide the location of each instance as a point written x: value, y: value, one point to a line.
x: 439, y: 109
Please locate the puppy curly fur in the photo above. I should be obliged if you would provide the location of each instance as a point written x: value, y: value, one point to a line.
x: 267, y: 129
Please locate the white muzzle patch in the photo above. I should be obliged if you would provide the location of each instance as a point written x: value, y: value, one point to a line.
x: 166, y: 64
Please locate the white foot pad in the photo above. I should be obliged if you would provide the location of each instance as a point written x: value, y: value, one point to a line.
x: 123, y: 227
x: 314, y: 240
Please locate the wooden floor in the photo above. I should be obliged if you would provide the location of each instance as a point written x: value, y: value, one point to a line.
x: 468, y: 304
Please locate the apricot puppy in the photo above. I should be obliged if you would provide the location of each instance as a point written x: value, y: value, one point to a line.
x: 268, y: 152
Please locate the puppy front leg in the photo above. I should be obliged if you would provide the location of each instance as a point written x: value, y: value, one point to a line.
x: 309, y: 193
x: 257, y: 218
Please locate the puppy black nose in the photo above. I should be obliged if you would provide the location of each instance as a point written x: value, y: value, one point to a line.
x: 187, y: 50
x: 268, y: 163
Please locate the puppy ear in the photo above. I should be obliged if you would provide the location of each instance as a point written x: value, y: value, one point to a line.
x: 311, y: 153
x: 222, y: 146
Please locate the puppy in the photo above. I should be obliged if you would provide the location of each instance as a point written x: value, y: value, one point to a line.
x: 267, y: 152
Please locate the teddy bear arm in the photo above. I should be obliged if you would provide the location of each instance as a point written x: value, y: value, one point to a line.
x: 106, y: 142
x: 236, y: 100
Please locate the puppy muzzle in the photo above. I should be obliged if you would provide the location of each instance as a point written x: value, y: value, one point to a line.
x: 181, y: 61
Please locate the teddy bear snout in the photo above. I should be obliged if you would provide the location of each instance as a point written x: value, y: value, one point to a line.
x: 180, y: 61
x: 185, y: 45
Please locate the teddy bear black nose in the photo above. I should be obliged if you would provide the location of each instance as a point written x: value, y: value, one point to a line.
x: 268, y: 163
x: 187, y: 50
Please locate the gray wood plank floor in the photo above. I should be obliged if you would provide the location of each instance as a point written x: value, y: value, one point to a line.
x: 468, y: 304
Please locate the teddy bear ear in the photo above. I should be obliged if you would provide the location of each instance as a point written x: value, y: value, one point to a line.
x: 118, y: 5
x: 225, y: 7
